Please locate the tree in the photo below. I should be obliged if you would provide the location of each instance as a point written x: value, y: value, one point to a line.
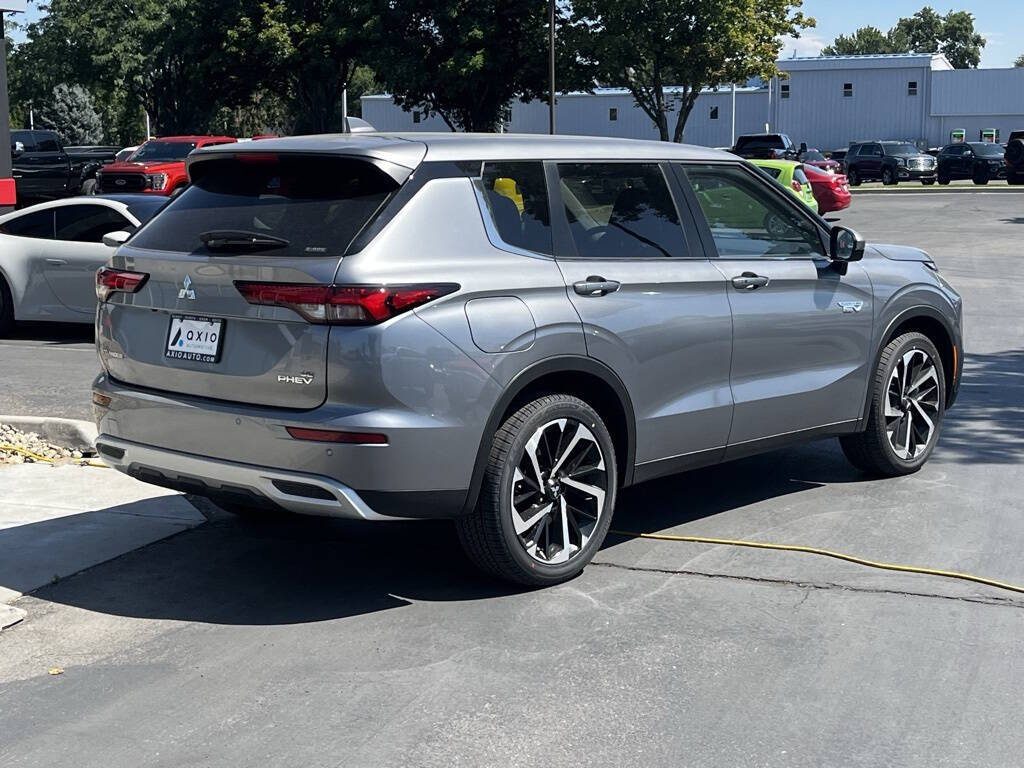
x: 864, y: 41
x: 310, y: 50
x: 924, y: 32
x: 649, y: 45
x: 72, y: 113
x: 1020, y: 61
x: 465, y: 60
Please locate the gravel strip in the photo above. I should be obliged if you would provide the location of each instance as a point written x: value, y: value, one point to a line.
x: 30, y: 441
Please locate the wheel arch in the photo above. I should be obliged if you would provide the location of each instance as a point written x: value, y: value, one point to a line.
x: 932, y: 323
x: 582, y: 377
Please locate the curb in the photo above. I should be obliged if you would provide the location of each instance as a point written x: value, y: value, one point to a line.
x: 70, y: 433
x: 9, y: 615
x: 935, y: 189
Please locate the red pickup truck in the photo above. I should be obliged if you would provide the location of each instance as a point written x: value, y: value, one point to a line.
x: 157, y: 167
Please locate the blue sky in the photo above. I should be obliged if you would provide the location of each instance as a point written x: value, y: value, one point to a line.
x: 1000, y: 21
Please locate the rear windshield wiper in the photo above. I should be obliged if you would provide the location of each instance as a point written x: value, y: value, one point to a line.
x: 223, y: 239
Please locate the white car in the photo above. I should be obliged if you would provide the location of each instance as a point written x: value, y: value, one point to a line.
x: 49, y: 254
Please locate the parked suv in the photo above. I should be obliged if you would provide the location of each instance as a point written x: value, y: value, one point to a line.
x: 157, y: 167
x: 888, y: 161
x: 979, y: 161
x: 1015, y: 158
x: 766, y: 146
x: 505, y: 331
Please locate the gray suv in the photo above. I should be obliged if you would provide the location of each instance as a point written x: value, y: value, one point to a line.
x: 503, y: 330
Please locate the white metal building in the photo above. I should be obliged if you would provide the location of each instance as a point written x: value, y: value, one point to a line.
x: 827, y: 101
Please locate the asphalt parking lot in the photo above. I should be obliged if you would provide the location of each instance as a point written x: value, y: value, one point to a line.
x: 329, y: 643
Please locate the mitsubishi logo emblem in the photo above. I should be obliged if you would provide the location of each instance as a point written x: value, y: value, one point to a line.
x: 186, y: 291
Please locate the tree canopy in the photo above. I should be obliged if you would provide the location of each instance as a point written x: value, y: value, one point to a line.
x: 925, y: 32
x: 648, y: 45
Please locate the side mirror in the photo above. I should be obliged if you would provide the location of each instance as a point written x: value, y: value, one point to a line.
x: 845, y: 245
x: 114, y: 239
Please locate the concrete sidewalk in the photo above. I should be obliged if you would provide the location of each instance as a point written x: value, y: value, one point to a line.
x: 56, y: 521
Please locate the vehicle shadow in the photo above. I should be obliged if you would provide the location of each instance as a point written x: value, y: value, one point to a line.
x: 299, y: 570
x: 53, y: 333
x: 987, y: 422
x: 1015, y: 220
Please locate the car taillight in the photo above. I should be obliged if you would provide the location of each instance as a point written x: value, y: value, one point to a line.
x: 110, y: 281
x: 343, y: 304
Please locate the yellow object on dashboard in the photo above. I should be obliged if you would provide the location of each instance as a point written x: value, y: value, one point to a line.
x: 509, y: 188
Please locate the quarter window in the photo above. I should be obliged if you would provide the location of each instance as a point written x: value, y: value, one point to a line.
x: 748, y: 219
x: 89, y: 223
x: 620, y: 211
x: 39, y: 224
x: 517, y: 197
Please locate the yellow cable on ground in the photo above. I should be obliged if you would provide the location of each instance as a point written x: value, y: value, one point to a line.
x: 825, y: 553
x: 83, y: 462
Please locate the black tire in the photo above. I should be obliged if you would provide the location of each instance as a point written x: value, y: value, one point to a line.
x: 488, y: 535
x: 943, y: 179
x: 88, y: 187
x: 980, y: 176
x: 6, y: 309
x: 927, y: 182
x: 871, y: 450
x: 889, y: 178
x: 1015, y: 179
x: 853, y: 178
x: 1015, y: 152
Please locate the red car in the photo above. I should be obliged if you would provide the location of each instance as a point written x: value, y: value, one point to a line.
x: 157, y: 167
x: 830, y: 189
x: 818, y: 160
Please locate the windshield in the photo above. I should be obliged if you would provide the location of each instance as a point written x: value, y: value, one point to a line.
x: 901, y: 149
x: 313, y: 206
x: 812, y: 156
x: 984, y: 149
x: 163, y: 151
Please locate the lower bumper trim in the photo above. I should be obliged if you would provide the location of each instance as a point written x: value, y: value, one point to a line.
x: 292, y: 491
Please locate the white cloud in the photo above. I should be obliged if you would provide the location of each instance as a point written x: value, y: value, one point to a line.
x: 805, y: 45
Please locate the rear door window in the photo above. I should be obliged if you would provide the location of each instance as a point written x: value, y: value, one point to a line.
x: 38, y: 224
x: 295, y: 205
x: 89, y: 223
x: 517, y: 197
x: 46, y: 142
x: 620, y: 211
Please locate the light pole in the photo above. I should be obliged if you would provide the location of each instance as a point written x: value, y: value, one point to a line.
x: 551, y: 66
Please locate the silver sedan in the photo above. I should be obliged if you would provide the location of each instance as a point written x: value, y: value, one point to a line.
x: 49, y: 254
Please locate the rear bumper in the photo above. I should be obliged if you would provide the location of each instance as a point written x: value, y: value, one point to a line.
x: 205, y: 476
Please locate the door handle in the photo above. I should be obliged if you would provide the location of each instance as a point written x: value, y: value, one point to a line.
x: 595, y: 285
x: 749, y: 281
x: 57, y: 262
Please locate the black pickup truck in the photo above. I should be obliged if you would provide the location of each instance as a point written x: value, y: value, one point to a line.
x: 1014, y: 158
x: 43, y: 169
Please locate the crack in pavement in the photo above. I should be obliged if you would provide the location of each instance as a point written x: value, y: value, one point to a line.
x: 1003, y: 602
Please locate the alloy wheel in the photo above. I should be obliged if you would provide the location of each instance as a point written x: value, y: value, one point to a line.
x: 558, y: 491
x: 912, y: 404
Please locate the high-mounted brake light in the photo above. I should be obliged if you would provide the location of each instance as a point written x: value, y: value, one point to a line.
x: 110, y: 281
x: 343, y: 304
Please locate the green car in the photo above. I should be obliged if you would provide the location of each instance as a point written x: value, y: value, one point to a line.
x: 790, y: 175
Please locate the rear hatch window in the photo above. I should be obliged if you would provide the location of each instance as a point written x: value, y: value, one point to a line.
x: 271, y: 218
x: 290, y: 205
